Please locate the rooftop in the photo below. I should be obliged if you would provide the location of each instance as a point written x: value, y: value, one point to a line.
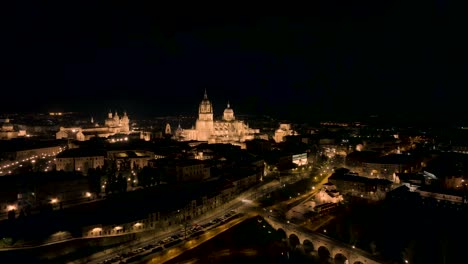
x: 394, y: 159
x: 81, y: 152
x: 25, y: 144
x: 355, y: 178
x: 130, y: 154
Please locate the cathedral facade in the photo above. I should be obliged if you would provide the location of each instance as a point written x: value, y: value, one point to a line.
x: 226, y: 130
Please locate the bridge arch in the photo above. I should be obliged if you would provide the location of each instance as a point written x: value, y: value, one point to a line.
x: 340, y: 259
x: 323, y: 253
x: 281, y: 233
x: 308, y: 246
x: 340, y: 252
x: 318, y: 245
x: 294, y: 240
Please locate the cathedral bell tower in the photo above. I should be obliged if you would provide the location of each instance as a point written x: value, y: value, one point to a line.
x: 205, y: 110
x: 204, y: 124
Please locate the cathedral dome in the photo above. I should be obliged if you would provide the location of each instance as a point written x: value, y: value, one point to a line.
x: 228, y: 113
x: 228, y: 110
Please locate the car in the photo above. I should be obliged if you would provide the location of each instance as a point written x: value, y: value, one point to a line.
x: 157, y: 249
x: 167, y: 240
x: 147, y: 247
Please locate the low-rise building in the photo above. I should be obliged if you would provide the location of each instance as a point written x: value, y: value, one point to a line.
x: 29, y: 191
x: 386, y: 167
x: 283, y: 131
x: 354, y: 185
x: 80, y: 159
x: 182, y: 170
x: 429, y: 197
x: 130, y: 159
x: 26, y: 149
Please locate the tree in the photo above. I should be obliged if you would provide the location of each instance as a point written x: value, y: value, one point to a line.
x: 110, y: 168
x: 11, y: 215
x: 121, y: 183
x: 94, y: 177
x: 146, y: 176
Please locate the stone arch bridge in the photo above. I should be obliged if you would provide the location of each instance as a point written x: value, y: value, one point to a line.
x: 319, y: 243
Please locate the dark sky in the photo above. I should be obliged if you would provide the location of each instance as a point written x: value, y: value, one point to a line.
x: 350, y: 59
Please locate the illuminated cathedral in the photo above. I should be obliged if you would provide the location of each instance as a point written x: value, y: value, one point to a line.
x: 226, y: 130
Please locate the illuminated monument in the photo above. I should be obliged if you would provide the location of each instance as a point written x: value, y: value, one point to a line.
x: 114, y: 124
x: 226, y: 130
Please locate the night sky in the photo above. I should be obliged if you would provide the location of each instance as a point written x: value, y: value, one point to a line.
x: 352, y: 59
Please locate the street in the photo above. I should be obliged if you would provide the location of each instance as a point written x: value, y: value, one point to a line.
x: 245, y: 204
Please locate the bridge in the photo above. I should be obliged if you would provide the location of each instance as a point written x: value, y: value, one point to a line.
x: 316, y: 243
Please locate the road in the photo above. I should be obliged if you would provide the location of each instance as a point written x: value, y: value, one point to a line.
x: 244, y: 203
x: 249, y: 207
x: 35, y: 163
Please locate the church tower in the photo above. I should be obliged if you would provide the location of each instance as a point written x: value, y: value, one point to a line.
x: 116, y: 119
x: 204, y: 124
x: 125, y: 123
x: 168, y: 130
x: 205, y: 110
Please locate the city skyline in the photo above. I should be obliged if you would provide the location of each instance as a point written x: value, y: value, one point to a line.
x: 381, y: 60
x: 142, y: 133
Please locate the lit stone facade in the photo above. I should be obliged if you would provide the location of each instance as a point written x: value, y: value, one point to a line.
x: 226, y: 130
x: 79, y: 160
x: 8, y: 131
x: 283, y: 131
x: 114, y: 124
